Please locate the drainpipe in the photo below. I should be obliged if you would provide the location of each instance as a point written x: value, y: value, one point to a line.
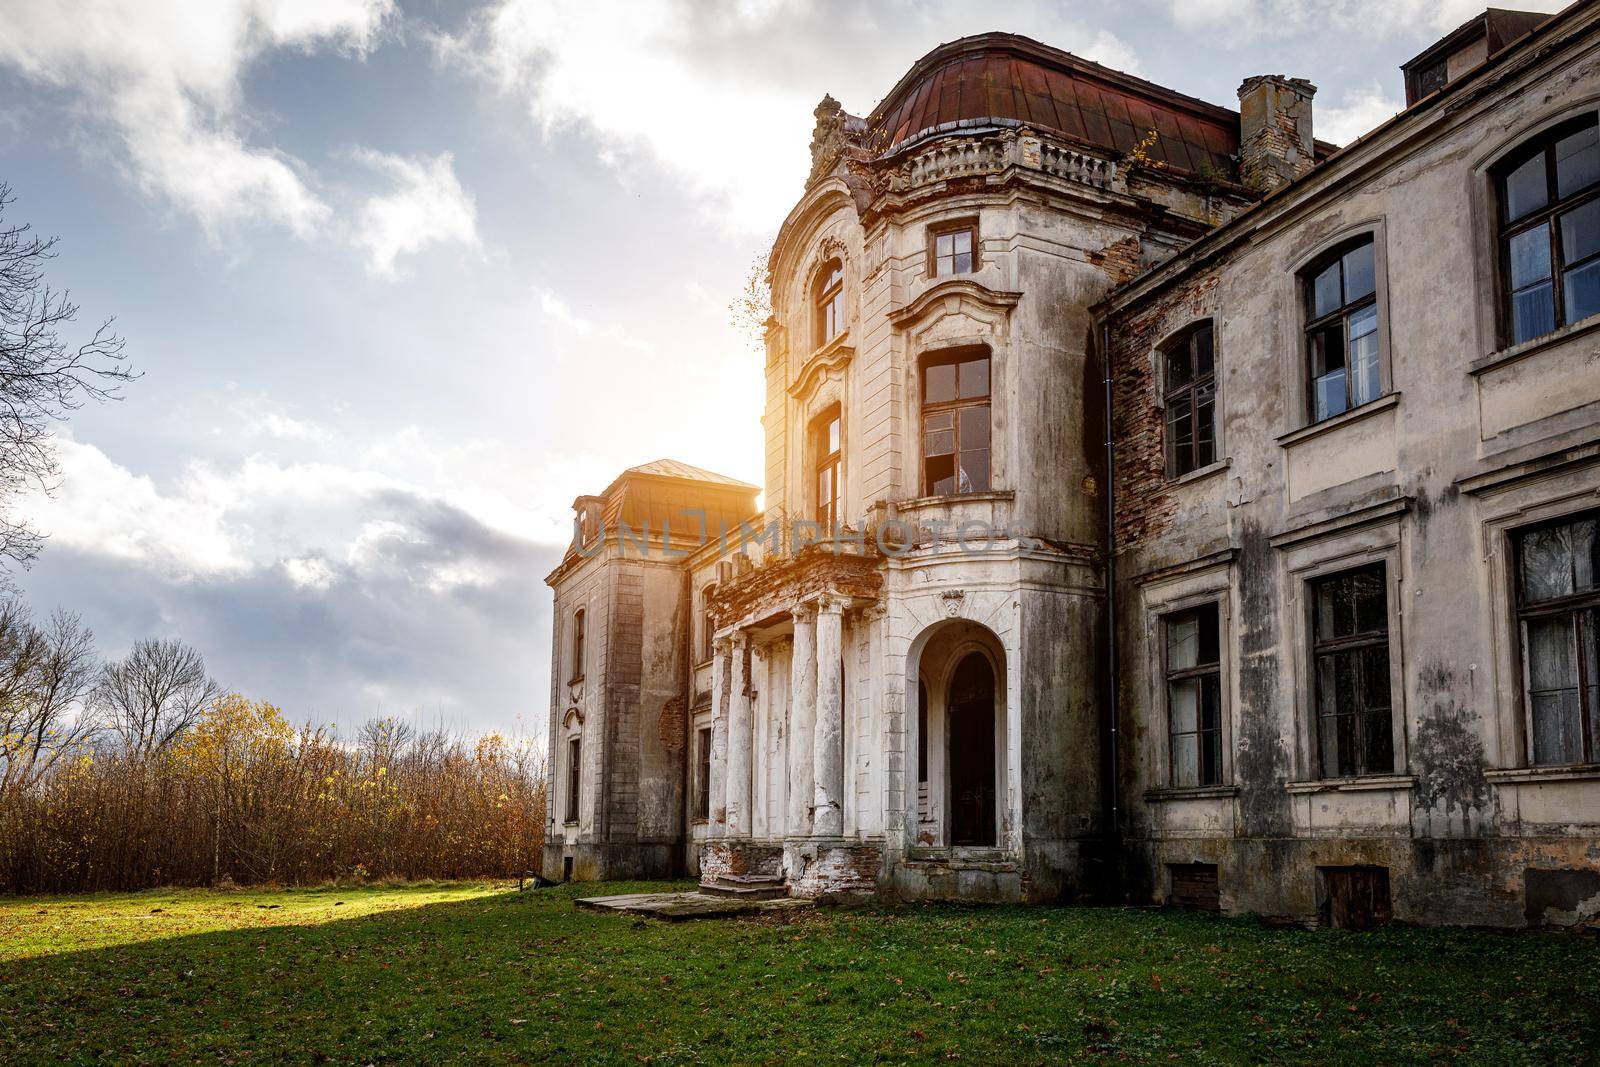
x: 1111, y: 610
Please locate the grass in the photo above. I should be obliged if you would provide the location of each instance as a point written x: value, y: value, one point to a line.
x: 479, y: 973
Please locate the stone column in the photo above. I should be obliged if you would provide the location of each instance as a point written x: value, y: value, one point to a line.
x: 741, y: 740
x: 718, y: 814
x: 827, y: 808
x: 802, y: 718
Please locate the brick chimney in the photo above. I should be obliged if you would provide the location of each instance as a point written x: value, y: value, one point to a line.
x: 1275, y: 145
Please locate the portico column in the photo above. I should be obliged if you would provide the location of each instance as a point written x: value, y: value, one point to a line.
x: 827, y: 809
x: 802, y: 718
x: 719, y: 739
x: 741, y: 739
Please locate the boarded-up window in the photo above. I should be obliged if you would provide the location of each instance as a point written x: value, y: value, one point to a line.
x: 1194, y: 885
x: 1355, y: 898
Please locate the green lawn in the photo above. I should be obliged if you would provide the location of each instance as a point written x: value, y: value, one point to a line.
x: 480, y: 973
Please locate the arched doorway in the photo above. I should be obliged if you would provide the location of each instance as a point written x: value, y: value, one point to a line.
x: 971, y: 731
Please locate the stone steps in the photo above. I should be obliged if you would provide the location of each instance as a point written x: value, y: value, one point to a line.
x: 745, y: 887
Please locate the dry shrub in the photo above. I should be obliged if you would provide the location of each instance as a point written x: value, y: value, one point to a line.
x: 244, y: 798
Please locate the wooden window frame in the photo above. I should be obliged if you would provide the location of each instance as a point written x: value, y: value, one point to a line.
x: 1575, y: 606
x: 828, y: 301
x: 574, y: 777
x: 1188, y: 340
x: 1326, y: 647
x: 580, y: 641
x: 1314, y: 324
x: 1543, y: 143
x: 702, y: 774
x: 703, y: 643
x: 947, y: 229
x: 1201, y: 671
x: 954, y: 408
x: 831, y: 462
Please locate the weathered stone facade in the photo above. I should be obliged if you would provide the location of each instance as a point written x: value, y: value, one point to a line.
x: 899, y: 677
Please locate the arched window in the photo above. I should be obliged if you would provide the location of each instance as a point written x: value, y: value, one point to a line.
x: 579, y: 638
x: 829, y: 298
x: 827, y: 446
x: 1549, y: 192
x: 955, y: 422
x: 1341, y: 297
x: 1191, y: 400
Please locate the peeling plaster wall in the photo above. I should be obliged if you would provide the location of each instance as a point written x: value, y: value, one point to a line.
x: 1431, y: 480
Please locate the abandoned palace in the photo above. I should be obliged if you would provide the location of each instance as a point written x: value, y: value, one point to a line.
x: 1161, y: 505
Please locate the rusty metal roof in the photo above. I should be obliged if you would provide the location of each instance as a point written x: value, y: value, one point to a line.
x: 1001, y: 76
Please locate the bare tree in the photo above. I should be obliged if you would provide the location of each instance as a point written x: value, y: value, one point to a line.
x: 385, y: 738
x: 153, y: 696
x: 42, y: 377
x: 45, y: 675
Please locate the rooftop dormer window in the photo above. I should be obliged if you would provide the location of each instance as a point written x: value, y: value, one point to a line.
x: 830, y: 302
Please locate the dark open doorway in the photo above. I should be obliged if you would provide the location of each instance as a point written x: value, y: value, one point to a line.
x: 970, y: 718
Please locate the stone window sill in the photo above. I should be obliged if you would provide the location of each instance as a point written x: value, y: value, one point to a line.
x: 1196, y: 792
x: 1200, y: 474
x: 1339, y: 421
x: 922, y: 502
x: 1368, y: 784
x: 1584, y: 772
x: 1537, y: 344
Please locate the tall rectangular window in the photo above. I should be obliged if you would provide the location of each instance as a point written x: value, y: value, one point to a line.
x: 1350, y: 658
x: 1550, y: 230
x: 955, y: 250
x: 702, y: 773
x: 955, y: 423
x: 1194, y: 696
x: 707, y: 623
x: 827, y: 447
x: 579, y: 640
x: 1558, y: 602
x: 574, y: 776
x: 830, y: 302
x: 1342, y: 330
x: 1191, y: 401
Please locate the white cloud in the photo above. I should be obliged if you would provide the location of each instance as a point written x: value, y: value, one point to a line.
x: 1362, y: 111
x: 1240, y: 21
x: 556, y: 310
x: 427, y: 207
x: 721, y: 96
x: 164, y: 75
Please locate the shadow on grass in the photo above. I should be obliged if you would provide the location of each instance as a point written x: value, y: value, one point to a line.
x: 522, y: 977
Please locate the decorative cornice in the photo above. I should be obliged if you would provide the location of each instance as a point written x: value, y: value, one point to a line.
x: 951, y: 293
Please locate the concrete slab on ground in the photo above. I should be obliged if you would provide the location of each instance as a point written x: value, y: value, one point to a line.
x: 677, y: 907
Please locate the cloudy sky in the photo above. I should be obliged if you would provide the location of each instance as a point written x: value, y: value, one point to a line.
x: 404, y: 278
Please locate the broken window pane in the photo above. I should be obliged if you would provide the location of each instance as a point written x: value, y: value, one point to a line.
x: 1546, y: 563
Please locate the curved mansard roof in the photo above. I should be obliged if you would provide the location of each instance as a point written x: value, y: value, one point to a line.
x: 1001, y: 76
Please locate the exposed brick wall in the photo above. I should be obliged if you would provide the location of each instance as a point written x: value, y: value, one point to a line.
x: 1144, y: 506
